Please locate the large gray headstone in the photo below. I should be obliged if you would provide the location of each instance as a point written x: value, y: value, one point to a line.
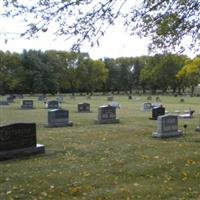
x: 18, y: 139
x: 167, y: 126
x: 58, y: 118
x: 107, y: 115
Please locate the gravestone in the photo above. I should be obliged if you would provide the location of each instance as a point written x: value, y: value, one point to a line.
x: 114, y: 104
x: 157, y: 111
x: 10, y: 99
x: 59, y: 99
x: 167, y: 126
x: 182, y: 100
x: 106, y: 115
x: 88, y: 97
x: 130, y: 97
x: 146, y: 106
x: 83, y: 107
x: 110, y: 98
x: 158, y: 99
x: 41, y: 97
x: 27, y: 104
x: 198, y: 127
x: 3, y: 103
x: 72, y: 97
x: 18, y: 139
x: 149, y: 98
x: 52, y: 104
x: 58, y: 118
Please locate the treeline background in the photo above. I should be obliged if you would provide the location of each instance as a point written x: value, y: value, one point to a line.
x: 52, y: 71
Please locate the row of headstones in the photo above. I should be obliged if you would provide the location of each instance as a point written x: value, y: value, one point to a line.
x: 158, y: 108
x: 19, y: 139
x: 54, y: 104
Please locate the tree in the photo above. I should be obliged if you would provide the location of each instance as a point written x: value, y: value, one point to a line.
x: 167, y: 22
x: 39, y: 73
x: 189, y: 74
x: 91, y: 74
x: 11, y: 72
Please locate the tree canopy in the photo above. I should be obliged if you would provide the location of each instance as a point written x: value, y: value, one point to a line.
x: 167, y: 22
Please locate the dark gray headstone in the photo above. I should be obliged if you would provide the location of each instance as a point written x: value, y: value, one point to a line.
x: 107, y: 115
x: 3, y: 102
x: 157, y: 111
x: 58, y: 118
x: 18, y: 139
x: 27, y: 104
x: 167, y: 126
x: 10, y: 98
x: 83, y: 107
x: 130, y: 97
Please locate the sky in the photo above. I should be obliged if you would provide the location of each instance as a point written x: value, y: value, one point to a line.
x: 115, y: 43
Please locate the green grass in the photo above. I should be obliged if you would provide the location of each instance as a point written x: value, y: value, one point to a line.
x: 99, y: 162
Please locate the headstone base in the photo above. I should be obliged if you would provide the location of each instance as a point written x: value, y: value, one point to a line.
x: 3, y: 103
x: 167, y: 135
x: 110, y: 121
x: 151, y: 118
x: 22, y: 107
x: 84, y: 111
x: 16, y: 153
x: 53, y: 125
x: 197, y: 129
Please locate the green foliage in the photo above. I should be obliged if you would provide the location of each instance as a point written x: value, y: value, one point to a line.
x: 92, y: 74
x: 189, y: 74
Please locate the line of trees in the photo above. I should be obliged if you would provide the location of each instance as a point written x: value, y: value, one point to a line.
x: 59, y: 71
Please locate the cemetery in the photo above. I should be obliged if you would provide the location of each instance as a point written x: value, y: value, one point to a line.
x: 100, y: 100
x: 126, y: 157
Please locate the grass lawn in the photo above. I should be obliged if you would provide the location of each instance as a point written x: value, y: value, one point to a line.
x: 99, y: 162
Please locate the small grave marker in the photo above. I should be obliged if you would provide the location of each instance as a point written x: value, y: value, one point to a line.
x: 52, y: 104
x: 27, y: 104
x: 83, y: 107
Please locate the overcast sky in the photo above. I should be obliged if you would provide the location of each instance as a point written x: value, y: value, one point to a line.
x: 115, y: 43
